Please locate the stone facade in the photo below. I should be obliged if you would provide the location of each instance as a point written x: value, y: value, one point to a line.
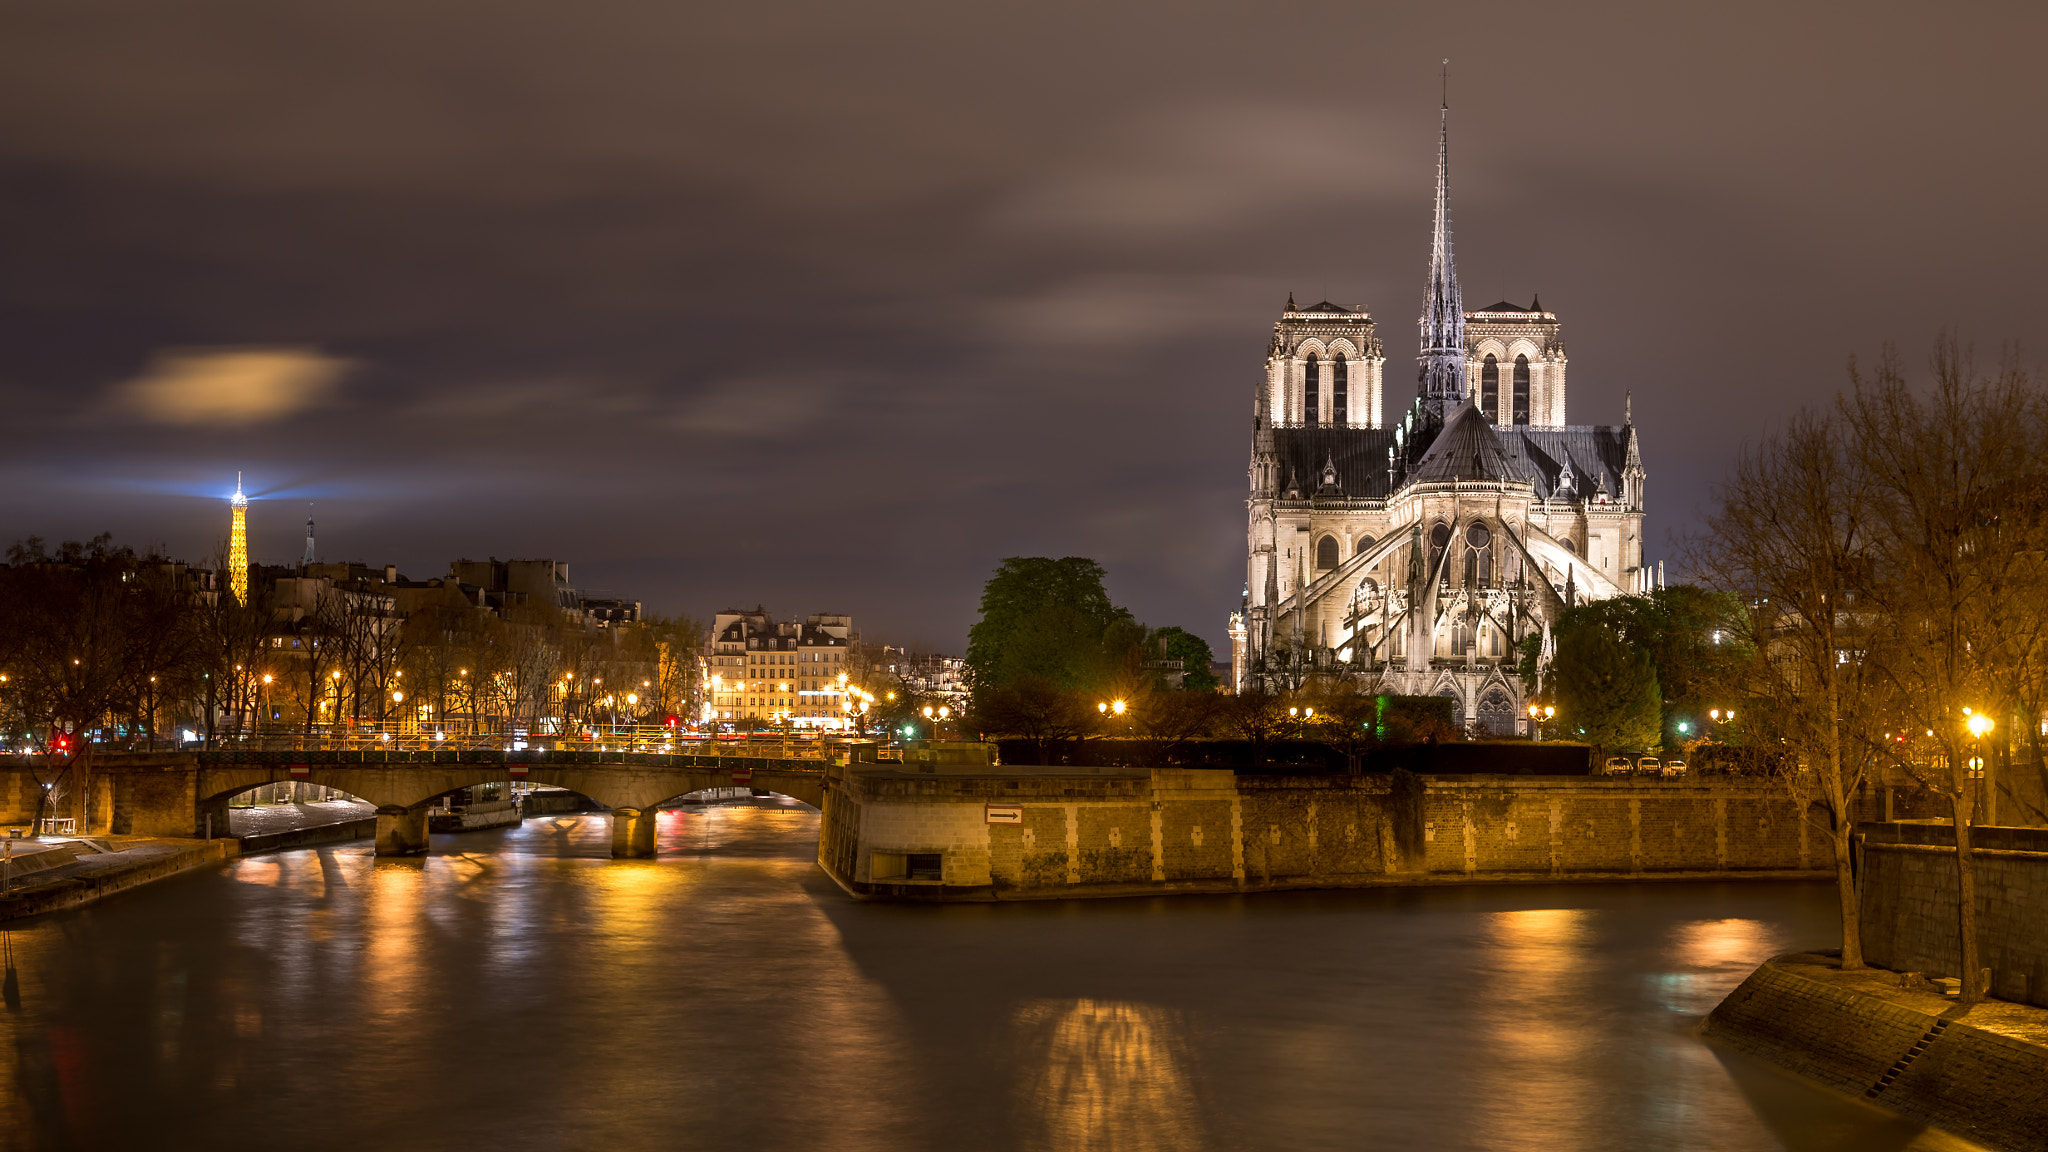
x: 1035, y: 833
x: 1413, y: 555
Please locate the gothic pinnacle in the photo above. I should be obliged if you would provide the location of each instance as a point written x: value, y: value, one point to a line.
x: 1443, y: 306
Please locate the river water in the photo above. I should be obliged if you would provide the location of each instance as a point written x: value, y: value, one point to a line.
x: 518, y: 989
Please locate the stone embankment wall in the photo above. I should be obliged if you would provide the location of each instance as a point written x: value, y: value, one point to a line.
x: 313, y: 836
x: 1034, y: 833
x: 1797, y: 1012
x: 1908, y: 907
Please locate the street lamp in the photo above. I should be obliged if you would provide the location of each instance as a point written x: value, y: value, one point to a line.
x: 1978, y: 724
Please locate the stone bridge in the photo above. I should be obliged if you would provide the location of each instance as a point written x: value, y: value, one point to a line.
x: 173, y: 794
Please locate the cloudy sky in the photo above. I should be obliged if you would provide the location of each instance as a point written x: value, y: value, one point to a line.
x: 832, y: 306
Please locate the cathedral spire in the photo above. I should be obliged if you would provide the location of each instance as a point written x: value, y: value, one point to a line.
x: 1442, y: 383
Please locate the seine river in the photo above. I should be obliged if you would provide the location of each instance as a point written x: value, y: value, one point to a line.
x: 518, y: 989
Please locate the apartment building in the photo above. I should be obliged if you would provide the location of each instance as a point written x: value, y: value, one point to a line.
x: 787, y: 673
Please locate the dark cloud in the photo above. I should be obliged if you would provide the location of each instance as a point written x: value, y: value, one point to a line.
x: 832, y: 306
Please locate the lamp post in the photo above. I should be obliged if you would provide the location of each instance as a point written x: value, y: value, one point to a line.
x: 937, y: 717
x: 1979, y: 725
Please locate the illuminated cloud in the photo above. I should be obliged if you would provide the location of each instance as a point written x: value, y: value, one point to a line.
x: 230, y: 386
x: 1211, y: 165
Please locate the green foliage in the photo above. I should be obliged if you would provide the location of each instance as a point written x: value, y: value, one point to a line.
x: 1049, y: 621
x: 1691, y: 636
x: 1193, y: 653
x: 1414, y: 719
x: 1606, y: 689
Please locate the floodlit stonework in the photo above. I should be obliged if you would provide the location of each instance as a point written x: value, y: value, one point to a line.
x: 1413, y: 554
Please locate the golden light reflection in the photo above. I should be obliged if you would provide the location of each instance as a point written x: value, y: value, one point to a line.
x: 1725, y: 943
x: 394, y: 933
x: 1107, y: 1074
x: 268, y: 872
x: 1532, y: 1086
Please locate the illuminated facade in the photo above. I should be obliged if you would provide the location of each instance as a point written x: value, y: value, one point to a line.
x: 1413, y: 555
x: 785, y: 673
x: 238, y: 543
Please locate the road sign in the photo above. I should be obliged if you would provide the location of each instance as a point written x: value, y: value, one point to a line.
x: 300, y: 771
x: 518, y: 770
x: 743, y: 775
x: 1005, y: 813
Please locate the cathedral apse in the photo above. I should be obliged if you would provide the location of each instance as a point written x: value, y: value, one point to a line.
x: 1413, y: 554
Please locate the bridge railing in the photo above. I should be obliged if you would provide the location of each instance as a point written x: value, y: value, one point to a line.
x: 732, y: 759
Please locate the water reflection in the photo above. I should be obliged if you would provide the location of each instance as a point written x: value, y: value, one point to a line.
x: 1105, y: 1075
x: 1533, y: 1090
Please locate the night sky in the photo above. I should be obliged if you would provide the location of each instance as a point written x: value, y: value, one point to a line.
x: 831, y: 306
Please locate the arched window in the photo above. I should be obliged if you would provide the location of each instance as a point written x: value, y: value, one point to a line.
x: 1311, y: 390
x: 1521, y: 389
x: 1326, y: 553
x: 1364, y: 542
x: 1439, y: 539
x: 1479, y: 561
x: 1497, y: 714
x: 1489, y: 389
x: 1340, y: 387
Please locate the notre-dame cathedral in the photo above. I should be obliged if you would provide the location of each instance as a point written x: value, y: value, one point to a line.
x: 1415, y: 555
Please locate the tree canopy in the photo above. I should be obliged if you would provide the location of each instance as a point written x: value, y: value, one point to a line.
x: 1193, y: 653
x: 1693, y: 638
x: 1049, y: 620
x: 1606, y: 689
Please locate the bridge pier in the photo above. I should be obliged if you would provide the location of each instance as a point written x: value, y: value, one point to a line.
x: 217, y: 810
x: 633, y: 833
x: 401, y: 831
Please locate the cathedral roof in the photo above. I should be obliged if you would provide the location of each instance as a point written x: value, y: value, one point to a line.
x: 1504, y: 306
x: 1326, y: 306
x: 1466, y: 449
x: 1593, y: 456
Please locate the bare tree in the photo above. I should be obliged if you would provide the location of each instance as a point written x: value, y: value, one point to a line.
x: 1258, y: 717
x: 1942, y: 470
x: 1789, y: 538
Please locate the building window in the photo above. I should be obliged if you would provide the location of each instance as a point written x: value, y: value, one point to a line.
x: 1340, y: 388
x: 1364, y: 542
x: 1326, y: 553
x: 1521, y: 389
x: 1489, y: 389
x: 924, y: 866
x: 1311, y: 389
